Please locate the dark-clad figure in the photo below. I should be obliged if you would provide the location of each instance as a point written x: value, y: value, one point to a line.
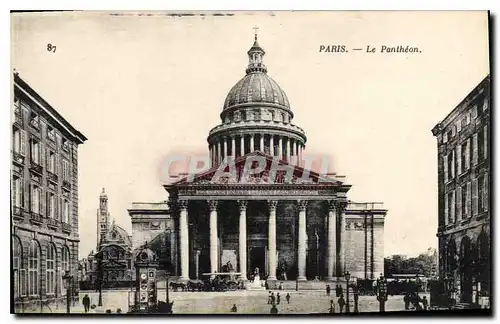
x: 341, y: 290
x: 288, y: 298
x: 274, y: 310
x: 328, y: 290
x: 341, y: 302
x: 425, y: 302
x: 278, y: 298
x: 332, y: 307
x: 269, y: 299
x: 86, y: 303
x: 356, y: 300
x: 234, y: 309
x: 273, y: 299
x: 406, y: 299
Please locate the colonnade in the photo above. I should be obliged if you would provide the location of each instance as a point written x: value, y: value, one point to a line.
x: 286, y: 148
x: 335, y: 213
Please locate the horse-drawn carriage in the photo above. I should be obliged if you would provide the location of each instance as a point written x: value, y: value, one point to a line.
x: 222, y: 281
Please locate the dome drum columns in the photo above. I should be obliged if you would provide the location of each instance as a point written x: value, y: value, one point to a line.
x: 286, y: 148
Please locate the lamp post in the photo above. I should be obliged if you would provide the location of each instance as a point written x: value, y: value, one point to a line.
x: 382, y: 292
x: 67, y: 284
x: 167, y: 274
x: 347, y: 276
x: 100, y: 275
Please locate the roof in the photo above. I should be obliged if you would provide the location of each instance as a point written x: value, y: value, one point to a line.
x: 51, y: 111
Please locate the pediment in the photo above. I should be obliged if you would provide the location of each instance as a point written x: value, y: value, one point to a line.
x: 256, y: 168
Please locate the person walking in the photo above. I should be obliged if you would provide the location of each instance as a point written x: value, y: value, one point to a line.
x: 356, y: 300
x: 86, y: 303
x: 328, y: 290
x: 234, y: 309
x: 288, y: 298
x: 278, y: 298
x: 274, y: 310
x: 273, y: 299
x: 341, y: 303
x: 332, y: 307
x: 425, y: 302
x: 269, y: 300
x: 406, y: 299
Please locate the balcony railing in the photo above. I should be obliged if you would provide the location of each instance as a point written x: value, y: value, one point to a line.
x: 53, y: 223
x: 18, y: 158
x: 51, y: 176
x: 36, y: 167
x: 66, y: 227
x: 18, y: 116
x: 36, y: 218
x: 66, y: 184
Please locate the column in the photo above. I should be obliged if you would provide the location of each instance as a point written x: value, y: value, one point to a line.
x: 233, y: 147
x: 184, y: 239
x: 280, y: 147
x: 297, y: 153
x: 341, y: 215
x: 242, y: 145
x: 290, y: 151
x: 243, y: 239
x: 225, y: 147
x: 302, y: 246
x: 252, y: 146
x: 261, y: 146
x: 271, y: 149
x: 332, y: 243
x: 220, y: 151
x: 272, y: 239
x: 212, y: 205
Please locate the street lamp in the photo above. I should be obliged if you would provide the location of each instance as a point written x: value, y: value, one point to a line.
x: 99, y: 276
x: 167, y: 274
x: 67, y: 284
x: 382, y: 292
x: 347, y: 276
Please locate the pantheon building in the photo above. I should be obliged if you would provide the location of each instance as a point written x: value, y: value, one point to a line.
x: 289, y: 224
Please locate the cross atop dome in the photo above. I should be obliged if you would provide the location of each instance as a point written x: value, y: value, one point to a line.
x: 255, y: 54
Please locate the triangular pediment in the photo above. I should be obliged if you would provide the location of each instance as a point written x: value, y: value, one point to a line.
x: 256, y: 168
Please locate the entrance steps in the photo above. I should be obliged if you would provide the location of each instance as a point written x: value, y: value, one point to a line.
x: 305, y: 285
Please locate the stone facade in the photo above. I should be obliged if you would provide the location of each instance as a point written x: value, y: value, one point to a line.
x: 463, y: 143
x: 44, y: 204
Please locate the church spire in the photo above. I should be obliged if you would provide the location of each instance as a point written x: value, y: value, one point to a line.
x: 255, y: 54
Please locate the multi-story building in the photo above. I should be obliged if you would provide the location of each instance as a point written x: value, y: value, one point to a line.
x: 44, y: 204
x: 463, y: 196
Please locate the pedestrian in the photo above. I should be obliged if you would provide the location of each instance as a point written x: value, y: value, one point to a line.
x: 273, y: 299
x: 341, y: 302
x: 425, y: 303
x: 269, y: 298
x: 234, y: 309
x: 406, y: 299
x: 356, y: 299
x: 288, y: 298
x: 328, y: 290
x: 86, y: 303
x: 274, y: 310
x: 278, y: 298
x: 341, y: 290
x: 332, y: 307
x: 337, y: 292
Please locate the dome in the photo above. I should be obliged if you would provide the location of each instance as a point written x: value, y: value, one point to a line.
x: 256, y: 87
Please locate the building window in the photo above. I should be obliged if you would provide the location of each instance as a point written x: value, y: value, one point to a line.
x: 51, y: 205
x: 463, y: 159
x: 35, y: 151
x: 449, y: 135
x: 464, y: 202
x: 35, y: 120
x: 64, y: 265
x: 51, y: 268
x: 35, y: 196
x: 65, y: 215
x: 450, y: 208
x: 51, y: 134
x: 480, y: 143
x: 65, y: 144
x: 451, y: 163
x: 52, y: 162
x: 18, y: 192
x: 65, y: 170
x: 459, y: 126
x: 17, y: 257
x: 34, y: 269
x: 480, y: 196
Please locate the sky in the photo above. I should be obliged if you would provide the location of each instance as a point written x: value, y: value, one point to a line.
x: 141, y: 86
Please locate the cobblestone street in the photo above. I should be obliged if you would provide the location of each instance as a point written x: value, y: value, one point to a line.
x: 247, y: 302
